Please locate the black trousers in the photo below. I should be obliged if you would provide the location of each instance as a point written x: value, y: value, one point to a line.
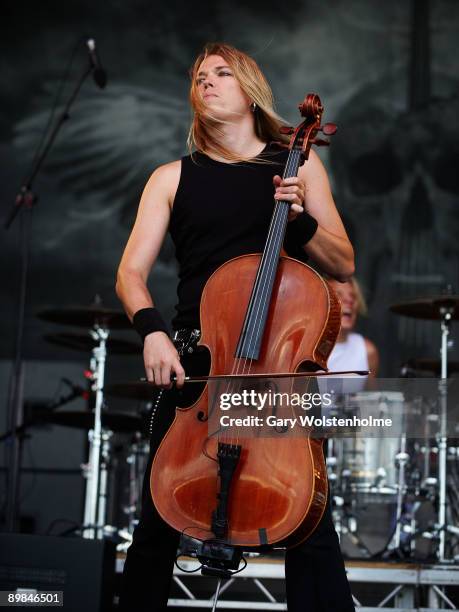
x: 315, y: 575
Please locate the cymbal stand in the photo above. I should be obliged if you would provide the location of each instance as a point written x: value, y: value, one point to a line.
x: 446, y: 313
x: 133, y: 495
x: 137, y: 461
x: 401, y: 459
x: 103, y: 477
x: 93, y: 522
x: 337, y: 501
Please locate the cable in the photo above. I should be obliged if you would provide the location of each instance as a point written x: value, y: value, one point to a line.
x: 242, y: 568
x: 57, y: 97
x: 183, y: 569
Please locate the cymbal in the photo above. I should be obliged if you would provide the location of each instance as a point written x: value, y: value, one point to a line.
x: 79, y: 342
x: 140, y: 390
x: 428, y: 307
x: 115, y: 421
x: 87, y: 316
x: 432, y: 365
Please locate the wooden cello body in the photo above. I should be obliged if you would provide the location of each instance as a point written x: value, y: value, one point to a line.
x: 256, y: 318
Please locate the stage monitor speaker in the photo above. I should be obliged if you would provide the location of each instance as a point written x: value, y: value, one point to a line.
x: 83, y: 569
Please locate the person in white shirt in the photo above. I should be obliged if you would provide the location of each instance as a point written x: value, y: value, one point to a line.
x: 352, y: 351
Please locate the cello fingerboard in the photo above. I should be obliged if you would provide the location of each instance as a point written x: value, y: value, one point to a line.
x: 250, y: 340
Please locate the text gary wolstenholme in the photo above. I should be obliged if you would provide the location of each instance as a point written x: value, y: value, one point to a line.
x: 304, y: 420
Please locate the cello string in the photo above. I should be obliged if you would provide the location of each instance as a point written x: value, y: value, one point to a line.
x: 245, y: 365
x: 276, y: 226
x: 241, y: 363
x: 267, y: 255
x: 272, y: 261
x: 279, y: 224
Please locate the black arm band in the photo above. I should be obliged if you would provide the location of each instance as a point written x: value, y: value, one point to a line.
x: 300, y: 231
x: 148, y: 320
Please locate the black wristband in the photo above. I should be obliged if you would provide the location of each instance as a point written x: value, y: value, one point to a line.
x: 148, y: 320
x: 300, y: 231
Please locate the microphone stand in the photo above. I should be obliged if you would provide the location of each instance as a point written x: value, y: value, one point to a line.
x: 33, y: 421
x: 24, y: 203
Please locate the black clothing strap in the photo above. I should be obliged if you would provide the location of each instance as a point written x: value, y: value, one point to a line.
x: 148, y: 320
x: 299, y: 232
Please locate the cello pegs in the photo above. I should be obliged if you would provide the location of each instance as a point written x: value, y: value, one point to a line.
x: 328, y: 129
x: 320, y: 142
x: 285, y: 129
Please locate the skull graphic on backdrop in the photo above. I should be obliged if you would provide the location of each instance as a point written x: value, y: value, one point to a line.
x: 397, y: 186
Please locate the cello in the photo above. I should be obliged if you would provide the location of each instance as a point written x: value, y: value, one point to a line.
x: 260, y: 313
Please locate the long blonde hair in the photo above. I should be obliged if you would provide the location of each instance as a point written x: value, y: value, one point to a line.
x: 205, y: 128
x: 362, y: 308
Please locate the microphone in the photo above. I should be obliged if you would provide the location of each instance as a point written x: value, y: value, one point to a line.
x: 99, y: 74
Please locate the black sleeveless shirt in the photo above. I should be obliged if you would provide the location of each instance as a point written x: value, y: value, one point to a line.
x: 221, y: 210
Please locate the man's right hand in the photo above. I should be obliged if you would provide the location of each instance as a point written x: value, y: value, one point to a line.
x: 162, y: 360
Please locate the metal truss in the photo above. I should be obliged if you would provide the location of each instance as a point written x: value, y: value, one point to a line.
x: 404, y: 579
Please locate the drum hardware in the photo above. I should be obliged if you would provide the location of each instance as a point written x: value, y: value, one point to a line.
x: 90, y: 317
x: 92, y: 527
x: 346, y: 524
x: 127, y: 540
x: 101, y: 425
x: 365, y: 472
x: 443, y: 440
x: 443, y: 308
x: 98, y: 525
x: 104, y: 467
x: 430, y: 308
x: 447, y: 312
x: 428, y: 450
x: 116, y: 422
x: 137, y: 460
x: 368, y: 464
x: 41, y: 412
x: 80, y: 342
x: 99, y: 320
x: 417, y: 367
x: 138, y: 451
x: 401, y: 460
x: 370, y: 473
x: 344, y: 520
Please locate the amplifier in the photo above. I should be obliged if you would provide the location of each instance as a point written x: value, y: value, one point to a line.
x: 84, y: 570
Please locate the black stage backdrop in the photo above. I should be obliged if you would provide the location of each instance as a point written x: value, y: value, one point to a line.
x: 387, y: 74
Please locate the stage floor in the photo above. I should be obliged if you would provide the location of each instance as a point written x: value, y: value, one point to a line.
x: 376, y: 586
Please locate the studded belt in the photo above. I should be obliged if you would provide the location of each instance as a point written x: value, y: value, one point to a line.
x: 185, y: 341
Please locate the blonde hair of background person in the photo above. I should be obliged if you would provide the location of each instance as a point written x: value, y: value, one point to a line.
x: 352, y: 305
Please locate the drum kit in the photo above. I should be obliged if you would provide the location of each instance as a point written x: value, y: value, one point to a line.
x: 403, y: 474
x: 396, y: 473
x: 100, y: 423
